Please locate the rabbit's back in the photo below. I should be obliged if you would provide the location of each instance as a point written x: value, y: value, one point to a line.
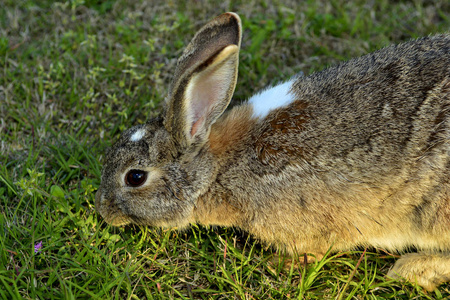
x: 377, y: 114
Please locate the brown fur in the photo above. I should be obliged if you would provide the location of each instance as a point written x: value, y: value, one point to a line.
x: 360, y: 157
x: 231, y: 130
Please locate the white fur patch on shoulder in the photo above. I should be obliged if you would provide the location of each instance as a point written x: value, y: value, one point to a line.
x: 271, y: 98
x: 138, y: 135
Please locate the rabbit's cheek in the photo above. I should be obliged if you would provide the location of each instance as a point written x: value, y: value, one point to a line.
x: 156, y: 203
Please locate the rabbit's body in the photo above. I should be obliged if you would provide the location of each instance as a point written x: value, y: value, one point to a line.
x: 355, y: 155
x: 350, y: 158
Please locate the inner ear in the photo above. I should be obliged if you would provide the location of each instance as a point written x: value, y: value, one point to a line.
x: 209, y: 91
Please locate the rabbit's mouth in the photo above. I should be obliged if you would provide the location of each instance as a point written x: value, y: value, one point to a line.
x: 115, y: 217
x: 118, y: 220
x: 110, y: 212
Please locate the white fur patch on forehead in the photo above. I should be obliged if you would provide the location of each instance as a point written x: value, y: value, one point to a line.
x: 138, y: 135
x: 271, y: 98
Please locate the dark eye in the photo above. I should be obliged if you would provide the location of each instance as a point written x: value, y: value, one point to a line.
x: 135, y: 178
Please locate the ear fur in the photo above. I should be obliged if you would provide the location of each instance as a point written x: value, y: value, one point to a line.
x: 204, y: 80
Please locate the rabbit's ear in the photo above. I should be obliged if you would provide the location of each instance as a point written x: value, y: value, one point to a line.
x: 204, y: 80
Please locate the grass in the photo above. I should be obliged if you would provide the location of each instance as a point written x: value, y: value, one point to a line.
x: 74, y: 74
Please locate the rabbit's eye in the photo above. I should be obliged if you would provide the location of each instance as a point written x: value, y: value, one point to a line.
x: 135, y: 178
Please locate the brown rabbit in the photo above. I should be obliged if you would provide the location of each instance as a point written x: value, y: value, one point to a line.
x: 355, y: 155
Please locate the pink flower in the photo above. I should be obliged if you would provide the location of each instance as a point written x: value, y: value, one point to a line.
x: 37, y: 247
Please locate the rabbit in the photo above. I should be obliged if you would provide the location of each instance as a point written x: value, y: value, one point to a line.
x: 352, y: 156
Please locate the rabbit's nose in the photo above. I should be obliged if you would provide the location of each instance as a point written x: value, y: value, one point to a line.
x: 99, y: 199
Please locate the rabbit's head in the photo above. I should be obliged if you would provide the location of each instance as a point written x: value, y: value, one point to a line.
x: 155, y: 171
